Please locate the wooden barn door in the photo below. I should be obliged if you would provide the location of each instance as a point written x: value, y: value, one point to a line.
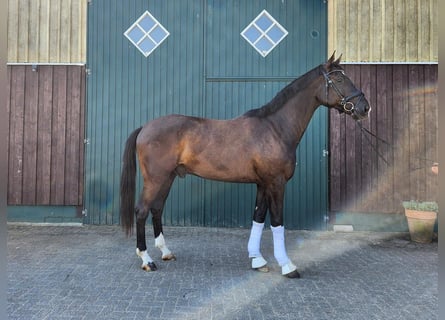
x: 46, y: 142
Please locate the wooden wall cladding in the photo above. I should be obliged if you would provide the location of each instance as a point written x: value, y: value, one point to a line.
x: 404, y: 113
x: 47, y: 31
x: 384, y: 30
x: 46, y: 109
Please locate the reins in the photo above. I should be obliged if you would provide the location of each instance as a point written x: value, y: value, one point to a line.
x: 363, y: 129
x: 368, y: 132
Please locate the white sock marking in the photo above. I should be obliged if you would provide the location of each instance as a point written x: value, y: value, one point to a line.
x: 144, y: 256
x: 160, y: 244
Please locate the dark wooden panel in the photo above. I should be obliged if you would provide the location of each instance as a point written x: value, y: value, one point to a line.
x: 16, y: 116
x: 44, y: 135
x: 404, y: 102
x: 73, y: 125
x: 30, y: 137
x: 58, y: 136
x: 46, y: 132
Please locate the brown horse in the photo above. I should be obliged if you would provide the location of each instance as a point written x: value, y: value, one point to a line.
x: 256, y: 147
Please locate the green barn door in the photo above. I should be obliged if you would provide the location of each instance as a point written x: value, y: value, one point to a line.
x: 152, y: 58
x: 280, y: 40
x: 132, y: 81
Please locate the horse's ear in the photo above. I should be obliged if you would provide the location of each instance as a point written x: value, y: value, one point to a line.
x: 337, y: 62
x: 331, y: 59
x: 329, y: 63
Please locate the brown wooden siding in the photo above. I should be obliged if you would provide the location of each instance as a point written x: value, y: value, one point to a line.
x: 404, y: 113
x: 46, y: 131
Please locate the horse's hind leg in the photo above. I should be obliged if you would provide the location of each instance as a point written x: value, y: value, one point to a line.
x: 156, y: 210
x: 141, y: 246
x: 253, y: 246
x: 159, y: 235
x: 152, y: 198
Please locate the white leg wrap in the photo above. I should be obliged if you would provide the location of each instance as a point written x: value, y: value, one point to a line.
x: 288, y: 268
x: 255, y: 239
x: 144, y: 256
x: 160, y: 244
x: 279, y: 248
x: 258, y: 262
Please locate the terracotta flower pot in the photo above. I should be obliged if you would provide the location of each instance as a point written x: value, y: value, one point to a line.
x: 421, y: 225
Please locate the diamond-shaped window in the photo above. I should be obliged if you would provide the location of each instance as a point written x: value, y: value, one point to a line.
x: 146, y: 33
x: 264, y: 33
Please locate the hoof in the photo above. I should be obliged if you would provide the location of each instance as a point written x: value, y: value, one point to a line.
x: 169, y: 257
x: 293, y: 275
x: 263, y: 269
x: 149, y: 267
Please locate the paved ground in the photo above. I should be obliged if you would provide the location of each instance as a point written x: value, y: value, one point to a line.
x: 92, y: 272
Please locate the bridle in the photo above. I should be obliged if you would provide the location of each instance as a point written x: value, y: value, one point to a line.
x: 345, y: 102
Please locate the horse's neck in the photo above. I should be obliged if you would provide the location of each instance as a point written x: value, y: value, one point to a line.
x: 294, y: 117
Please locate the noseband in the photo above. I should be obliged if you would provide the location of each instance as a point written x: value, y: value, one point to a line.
x: 347, y: 106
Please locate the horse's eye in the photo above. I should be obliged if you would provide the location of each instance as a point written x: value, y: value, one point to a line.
x: 339, y: 79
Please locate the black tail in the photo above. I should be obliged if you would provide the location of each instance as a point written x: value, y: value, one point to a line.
x: 128, y: 183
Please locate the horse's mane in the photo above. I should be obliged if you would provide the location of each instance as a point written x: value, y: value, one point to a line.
x: 285, y: 94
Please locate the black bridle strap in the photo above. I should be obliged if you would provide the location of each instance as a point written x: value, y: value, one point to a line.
x: 344, y: 100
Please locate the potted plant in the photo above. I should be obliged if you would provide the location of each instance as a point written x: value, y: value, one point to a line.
x: 421, y: 217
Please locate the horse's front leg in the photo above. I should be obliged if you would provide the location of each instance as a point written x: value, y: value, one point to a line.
x: 253, y: 246
x: 276, y: 198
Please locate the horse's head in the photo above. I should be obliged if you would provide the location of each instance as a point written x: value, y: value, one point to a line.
x: 340, y: 93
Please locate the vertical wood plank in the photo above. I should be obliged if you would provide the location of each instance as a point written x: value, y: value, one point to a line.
x: 383, y: 102
x: 33, y: 31
x: 58, y: 136
x: 22, y: 39
x: 44, y: 27
x: 81, y: 143
x: 64, y: 23
x: 13, y: 29
x: 15, y: 171
x: 72, y: 151
x: 30, y: 137
x: 44, y: 135
x: 431, y: 129
x: 54, y: 31
x: 415, y: 128
x: 400, y: 132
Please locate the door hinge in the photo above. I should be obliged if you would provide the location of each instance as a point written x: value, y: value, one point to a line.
x: 325, y: 153
x: 84, y: 212
x: 86, y: 141
x: 88, y: 71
